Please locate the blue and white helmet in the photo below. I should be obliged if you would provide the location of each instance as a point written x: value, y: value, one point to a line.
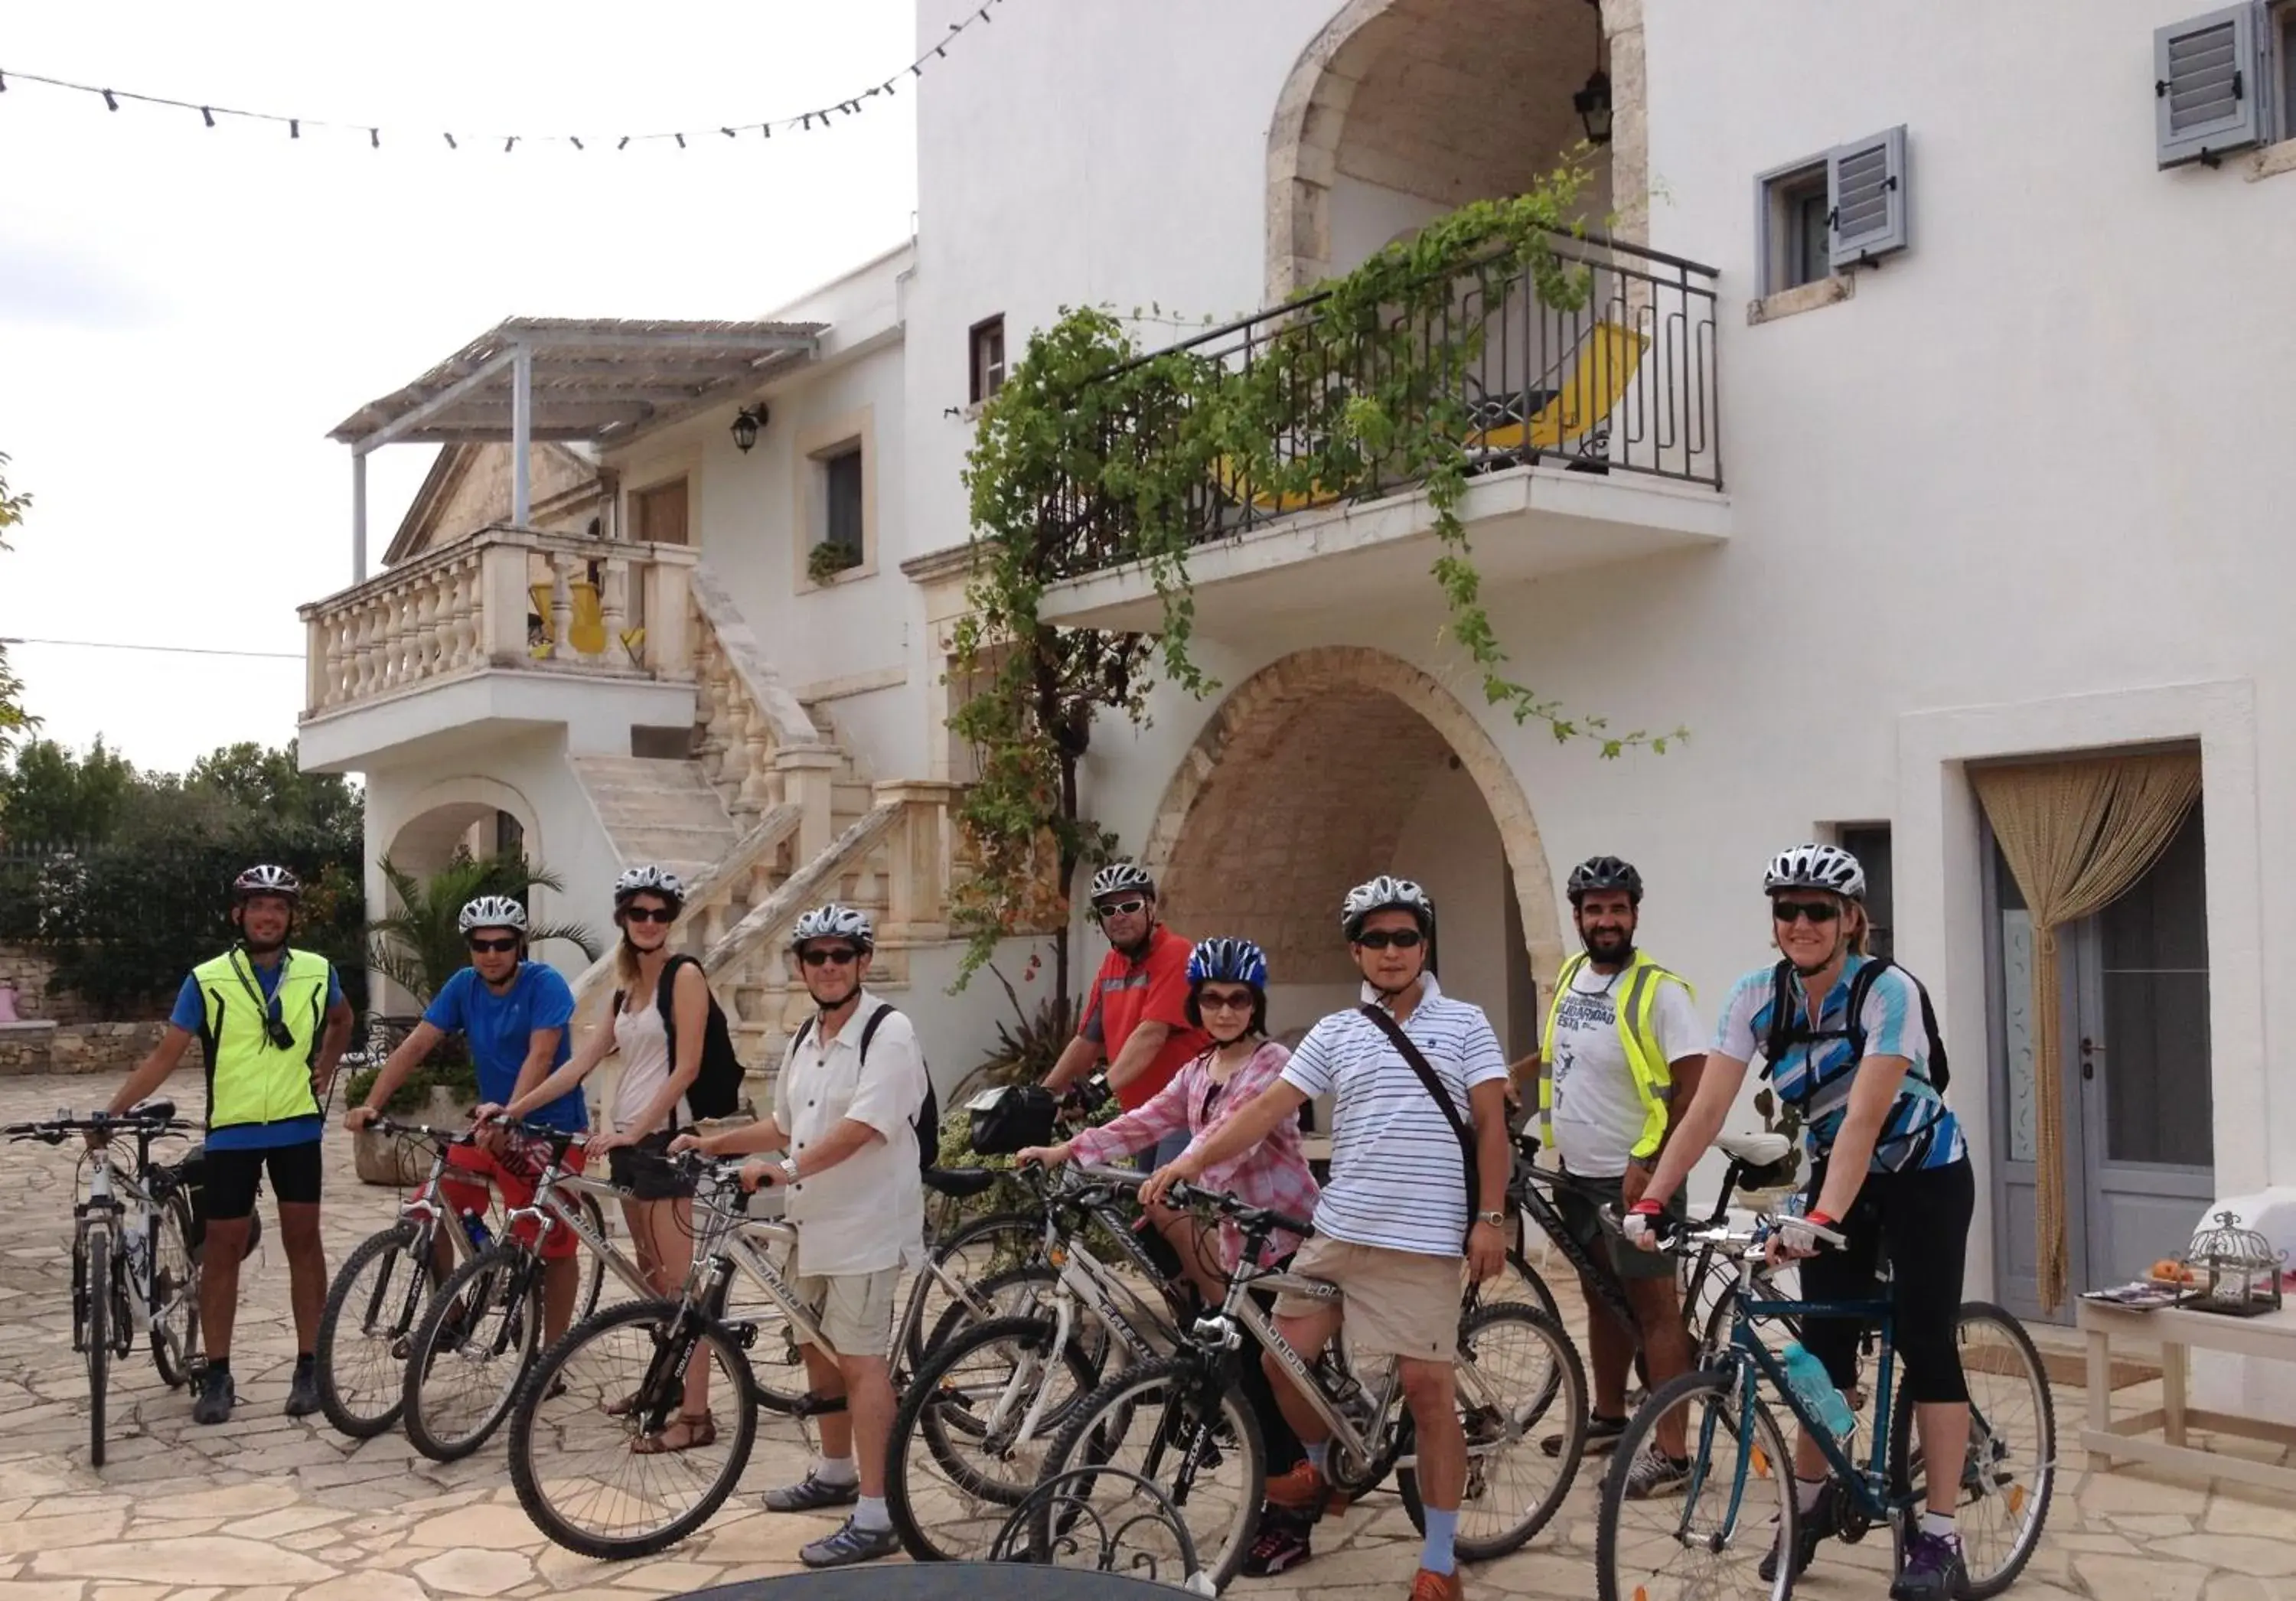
x: 1385, y: 894
x: 492, y: 911
x: 1116, y: 877
x: 1227, y: 961
x: 835, y: 922
x: 1815, y: 868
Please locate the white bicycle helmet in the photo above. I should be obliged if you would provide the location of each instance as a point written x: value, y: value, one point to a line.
x: 1385, y: 894
x: 1116, y: 877
x: 265, y: 879
x: 492, y: 911
x: 648, y: 879
x: 833, y: 921
x: 1817, y: 868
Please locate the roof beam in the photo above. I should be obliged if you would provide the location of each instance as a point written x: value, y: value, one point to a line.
x: 756, y: 341
x: 415, y: 417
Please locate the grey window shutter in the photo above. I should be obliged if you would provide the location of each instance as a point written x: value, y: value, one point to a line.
x: 1867, y: 198
x: 2207, y: 85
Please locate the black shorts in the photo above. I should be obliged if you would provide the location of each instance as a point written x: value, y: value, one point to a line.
x: 640, y: 1169
x: 1922, y: 1219
x: 231, y: 1177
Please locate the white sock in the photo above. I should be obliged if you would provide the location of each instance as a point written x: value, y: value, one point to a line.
x: 869, y: 1513
x: 1806, y: 1492
x: 1940, y: 1524
x: 837, y: 1470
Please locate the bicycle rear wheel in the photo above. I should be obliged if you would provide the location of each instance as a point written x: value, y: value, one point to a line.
x: 175, y: 1294
x: 476, y: 1340
x: 95, y: 1329
x: 998, y: 1243
x: 367, y: 1330
x: 593, y: 1266
x: 1705, y: 1539
x: 2009, y: 1472
x: 610, y: 1381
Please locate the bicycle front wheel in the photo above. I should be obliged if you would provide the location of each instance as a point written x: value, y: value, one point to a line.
x: 2009, y: 1471
x: 95, y: 1330
x: 1702, y: 1539
x: 474, y: 1343
x: 578, y: 1452
x: 593, y: 1266
x: 1175, y: 1426
x: 367, y: 1327
x: 175, y: 1294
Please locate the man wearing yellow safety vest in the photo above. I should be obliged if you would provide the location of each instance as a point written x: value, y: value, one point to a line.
x: 273, y: 1023
x: 1620, y: 1058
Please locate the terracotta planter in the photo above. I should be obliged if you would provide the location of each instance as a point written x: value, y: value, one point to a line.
x: 384, y: 1158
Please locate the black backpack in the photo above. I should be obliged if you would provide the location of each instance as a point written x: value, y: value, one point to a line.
x: 1788, y: 1030
x: 717, y: 1090
x: 927, y: 1122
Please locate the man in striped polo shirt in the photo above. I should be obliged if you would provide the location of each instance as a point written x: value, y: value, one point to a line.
x: 1390, y: 1222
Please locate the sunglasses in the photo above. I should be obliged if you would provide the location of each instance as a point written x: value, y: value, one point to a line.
x: 496, y: 947
x: 1121, y: 909
x: 1213, y: 1000
x: 841, y: 956
x: 1817, y: 913
x: 1380, y: 938
x: 649, y: 914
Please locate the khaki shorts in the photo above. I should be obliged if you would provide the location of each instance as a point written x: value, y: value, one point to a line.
x: 1398, y: 1303
x: 855, y: 1310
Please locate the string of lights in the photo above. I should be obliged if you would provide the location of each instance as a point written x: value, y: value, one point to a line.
x: 373, y: 135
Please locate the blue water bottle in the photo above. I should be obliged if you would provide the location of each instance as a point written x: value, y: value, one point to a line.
x: 476, y: 1227
x: 1819, y: 1399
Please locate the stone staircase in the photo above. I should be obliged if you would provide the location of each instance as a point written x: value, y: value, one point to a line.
x: 659, y: 811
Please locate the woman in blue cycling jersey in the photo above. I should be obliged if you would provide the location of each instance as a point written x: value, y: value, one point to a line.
x: 1891, y: 1168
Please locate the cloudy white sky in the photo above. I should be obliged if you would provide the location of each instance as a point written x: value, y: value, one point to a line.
x: 185, y: 313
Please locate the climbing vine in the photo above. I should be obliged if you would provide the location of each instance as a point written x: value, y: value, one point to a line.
x: 1093, y: 455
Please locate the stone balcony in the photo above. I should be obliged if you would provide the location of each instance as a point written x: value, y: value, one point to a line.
x: 507, y: 631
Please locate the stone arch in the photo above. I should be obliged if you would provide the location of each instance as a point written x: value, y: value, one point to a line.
x: 1382, y: 85
x: 1295, y: 838
x: 436, y: 815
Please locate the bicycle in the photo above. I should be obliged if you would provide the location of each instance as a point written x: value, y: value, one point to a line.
x: 619, y: 1378
x: 1515, y: 1367
x: 1741, y: 1457
x: 480, y: 1331
x: 367, y: 1327
x: 135, y: 1252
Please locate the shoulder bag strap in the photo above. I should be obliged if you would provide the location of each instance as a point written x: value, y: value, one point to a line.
x: 1409, y: 1052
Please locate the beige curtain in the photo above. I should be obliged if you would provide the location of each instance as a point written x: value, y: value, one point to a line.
x: 2077, y: 837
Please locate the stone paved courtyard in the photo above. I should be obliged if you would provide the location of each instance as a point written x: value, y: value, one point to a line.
x: 269, y: 1508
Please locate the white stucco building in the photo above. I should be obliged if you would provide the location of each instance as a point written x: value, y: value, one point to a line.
x: 1996, y: 494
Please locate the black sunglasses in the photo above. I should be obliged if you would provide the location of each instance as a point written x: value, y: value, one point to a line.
x: 1380, y: 938
x: 496, y: 947
x: 840, y: 956
x: 1118, y: 909
x: 1815, y: 911
x: 649, y: 914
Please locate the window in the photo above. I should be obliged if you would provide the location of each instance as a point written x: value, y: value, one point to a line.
x: 1870, y: 844
x: 2283, y: 47
x: 1847, y: 208
x: 659, y: 512
x: 2213, y: 78
x: 988, y: 343
x: 842, y: 485
x: 1793, y: 203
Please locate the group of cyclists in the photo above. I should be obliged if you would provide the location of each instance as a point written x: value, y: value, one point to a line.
x: 1630, y: 1090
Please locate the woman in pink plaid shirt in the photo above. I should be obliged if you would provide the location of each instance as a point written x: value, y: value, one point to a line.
x: 1227, y: 998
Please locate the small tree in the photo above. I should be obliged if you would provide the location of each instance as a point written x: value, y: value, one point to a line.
x: 13, y: 719
x: 420, y: 945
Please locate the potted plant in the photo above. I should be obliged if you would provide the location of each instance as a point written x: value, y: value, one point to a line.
x: 419, y: 947
x: 829, y: 558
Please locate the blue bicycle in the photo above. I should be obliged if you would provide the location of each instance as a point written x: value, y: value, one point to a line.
x: 1707, y: 1539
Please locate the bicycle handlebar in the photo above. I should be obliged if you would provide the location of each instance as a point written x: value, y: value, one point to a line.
x: 55, y: 1130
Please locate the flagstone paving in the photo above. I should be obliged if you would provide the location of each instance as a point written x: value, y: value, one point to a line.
x: 270, y: 1508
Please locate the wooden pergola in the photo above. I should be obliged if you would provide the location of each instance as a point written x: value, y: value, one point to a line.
x: 596, y: 382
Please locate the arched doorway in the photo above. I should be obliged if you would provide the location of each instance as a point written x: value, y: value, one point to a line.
x: 480, y: 816
x: 1402, y: 109
x: 1328, y: 767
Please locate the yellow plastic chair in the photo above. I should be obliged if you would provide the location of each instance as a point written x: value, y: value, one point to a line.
x: 1230, y: 476
x: 586, y: 626
x: 1593, y: 385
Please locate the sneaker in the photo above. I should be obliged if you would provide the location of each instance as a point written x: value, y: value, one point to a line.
x: 1812, y: 1526
x: 1934, y: 1570
x: 303, y: 1392
x: 811, y: 1494
x: 1427, y: 1585
x: 217, y: 1397
x: 1601, y: 1434
x: 1654, y: 1474
x: 1281, y: 1543
x: 1301, y: 1487
x: 850, y: 1544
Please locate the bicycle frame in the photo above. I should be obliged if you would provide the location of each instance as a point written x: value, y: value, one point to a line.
x: 549, y: 1214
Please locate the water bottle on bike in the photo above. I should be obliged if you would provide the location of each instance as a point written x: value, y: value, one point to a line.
x: 475, y: 1226
x: 1815, y: 1389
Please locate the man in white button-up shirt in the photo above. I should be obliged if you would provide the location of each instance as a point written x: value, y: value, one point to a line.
x: 845, y: 1106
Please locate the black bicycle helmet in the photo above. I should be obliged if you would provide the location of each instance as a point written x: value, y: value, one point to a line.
x: 1604, y: 873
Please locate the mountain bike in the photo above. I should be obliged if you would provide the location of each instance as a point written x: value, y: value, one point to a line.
x: 135, y: 1251
x: 1739, y: 1502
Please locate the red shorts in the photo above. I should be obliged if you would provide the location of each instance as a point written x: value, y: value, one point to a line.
x: 515, y: 1179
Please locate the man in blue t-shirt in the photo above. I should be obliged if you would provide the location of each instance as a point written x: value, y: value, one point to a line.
x: 513, y: 1015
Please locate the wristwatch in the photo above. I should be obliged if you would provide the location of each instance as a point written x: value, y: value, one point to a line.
x: 1497, y: 1219
x: 789, y: 1169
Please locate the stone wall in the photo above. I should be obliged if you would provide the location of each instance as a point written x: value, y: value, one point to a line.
x: 37, y: 995
x: 81, y: 1047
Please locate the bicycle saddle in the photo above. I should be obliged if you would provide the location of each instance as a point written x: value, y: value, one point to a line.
x: 158, y: 1111
x: 959, y: 1183
x: 1757, y: 1150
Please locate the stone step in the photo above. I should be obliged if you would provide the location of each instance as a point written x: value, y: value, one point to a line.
x: 659, y: 811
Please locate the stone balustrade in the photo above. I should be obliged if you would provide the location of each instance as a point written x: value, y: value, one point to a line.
x: 505, y: 599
